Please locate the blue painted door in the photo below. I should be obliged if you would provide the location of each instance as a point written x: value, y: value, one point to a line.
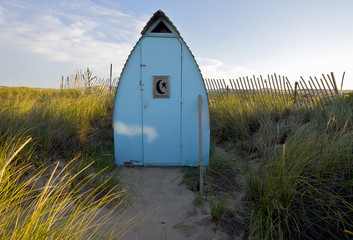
x: 161, y: 117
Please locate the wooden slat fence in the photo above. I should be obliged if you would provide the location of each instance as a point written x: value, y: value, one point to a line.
x: 86, y: 82
x: 305, y: 93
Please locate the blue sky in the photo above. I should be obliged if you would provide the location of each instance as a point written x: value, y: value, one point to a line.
x: 42, y: 40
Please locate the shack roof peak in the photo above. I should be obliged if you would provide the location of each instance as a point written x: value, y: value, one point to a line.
x: 155, y: 17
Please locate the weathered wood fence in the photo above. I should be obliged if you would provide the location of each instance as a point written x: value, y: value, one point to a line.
x: 85, y: 81
x: 305, y: 93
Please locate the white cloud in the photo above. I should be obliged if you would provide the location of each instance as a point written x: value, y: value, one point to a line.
x: 85, y: 34
x: 2, y: 15
x: 213, y: 68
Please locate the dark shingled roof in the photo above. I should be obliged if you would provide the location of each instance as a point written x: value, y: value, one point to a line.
x: 154, y: 18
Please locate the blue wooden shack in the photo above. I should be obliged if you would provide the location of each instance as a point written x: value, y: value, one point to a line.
x: 156, y: 106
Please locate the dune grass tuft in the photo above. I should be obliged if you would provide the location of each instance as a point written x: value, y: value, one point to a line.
x: 54, y: 209
x: 297, y: 165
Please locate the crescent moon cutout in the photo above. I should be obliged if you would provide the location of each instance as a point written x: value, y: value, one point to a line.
x: 158, y: 87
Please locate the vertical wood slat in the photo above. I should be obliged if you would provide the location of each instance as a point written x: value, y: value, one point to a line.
x: 253, y: 83
x: 239, y: 91
x: 263, y: 83
x: 211, y: 96
x: 242, y: 91
x: 295, y: 91
x: 328, y: 86
x: 215, y: 92
x: 317, y: 91
x: 220, y: 89
x: 262, y: 92
x: 260, y: 89
x: 208, y: 90
x: 280, y: 88
x: 270, y: 87
x: 247, y: 89
x: 319, y: 87
x: 211, y: 90
x: 344, y: 73
x: 252, y: 89
x: 274, y: 89
x: 284, y: 89
x: 312, y: 100
x: 216, y: 89
x: 233, y: 89
x: 326, y: 93
x: 286, y: 96
x: 255, y: 91
x: 288, y: 91
x: 236, y: 83
x: 291, y: 89
x: 334, y: 81
x: 305, y: 102
x: 225, y: 87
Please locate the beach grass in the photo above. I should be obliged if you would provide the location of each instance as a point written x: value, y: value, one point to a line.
x: 297, y: 164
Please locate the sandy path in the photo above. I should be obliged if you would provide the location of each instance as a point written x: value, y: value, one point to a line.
x: 167, y: 207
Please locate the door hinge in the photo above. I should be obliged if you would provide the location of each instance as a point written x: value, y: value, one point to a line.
x: 142, y: 65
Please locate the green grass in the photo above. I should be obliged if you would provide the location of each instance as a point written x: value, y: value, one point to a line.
x: 55, y: 209
x: 289, y: 170
x: 297, y: 165
x: 217, y: 207
x: 65, y: 124
x: 43, y: 193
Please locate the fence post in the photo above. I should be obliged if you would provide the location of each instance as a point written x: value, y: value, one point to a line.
x: 295, y: 92
x: 62, y: 82
x: 77, y: 80
x: 88, y: 79
x: 342, y: 81
x: 67, y: 83
x: 334, y: 82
